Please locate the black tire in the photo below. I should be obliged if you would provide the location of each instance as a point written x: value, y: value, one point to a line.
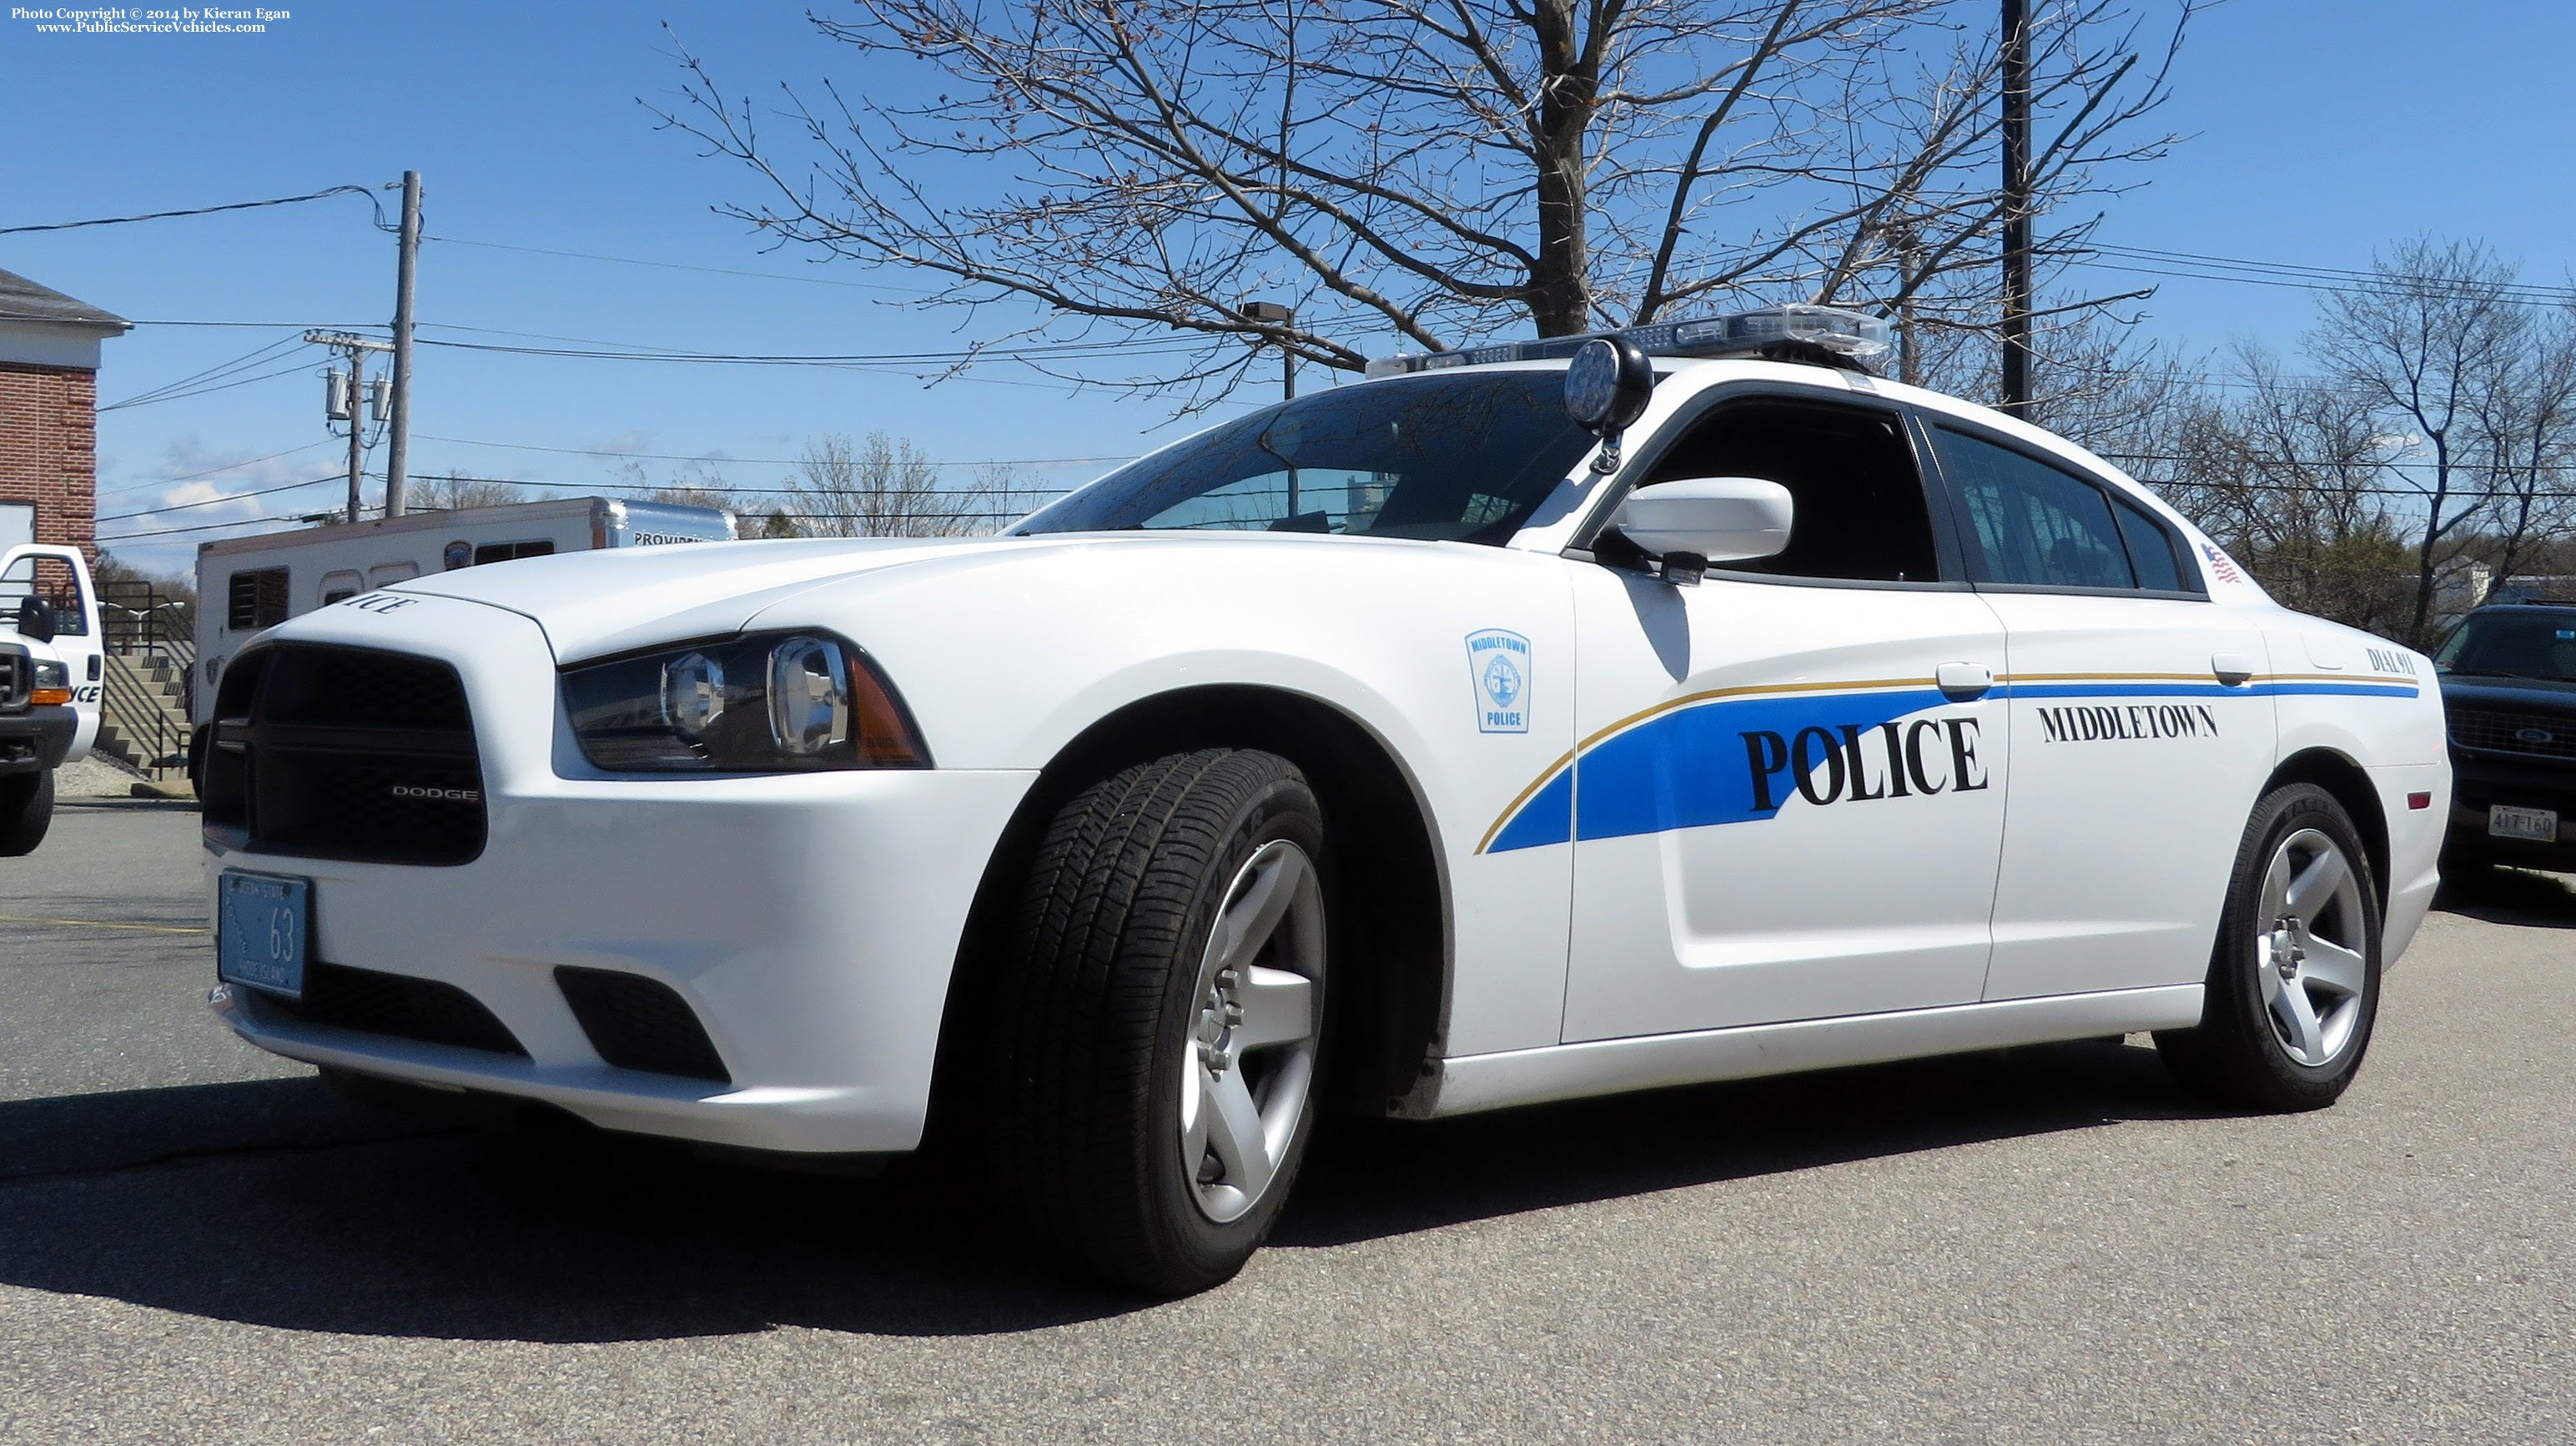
x: 2241, y: 1054
x: 26, y: 812
x: 1094, y: 1011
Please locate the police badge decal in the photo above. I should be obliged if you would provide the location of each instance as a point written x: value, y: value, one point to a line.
x: 1498, y: 662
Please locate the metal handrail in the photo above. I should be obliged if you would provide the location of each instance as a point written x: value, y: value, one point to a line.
x: 139, y: 619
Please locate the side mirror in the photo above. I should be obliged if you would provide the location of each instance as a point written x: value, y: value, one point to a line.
x: 1712, y: 519
x: 37, y: 619
x: 1607, y: 386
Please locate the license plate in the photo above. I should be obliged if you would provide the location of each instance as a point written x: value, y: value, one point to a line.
x: 2537, y: 824
x: 261, y: 923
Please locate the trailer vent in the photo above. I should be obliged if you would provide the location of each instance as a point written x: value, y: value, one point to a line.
x: 344, y: 753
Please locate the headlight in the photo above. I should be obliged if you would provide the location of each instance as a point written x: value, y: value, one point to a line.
x: 771, y: 703
x: 53, y: 684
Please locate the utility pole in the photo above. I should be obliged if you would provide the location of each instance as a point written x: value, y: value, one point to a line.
x: 1280, y: 313
x: 352, y: 404
x: 2016, y: 328
x: 398, y: 429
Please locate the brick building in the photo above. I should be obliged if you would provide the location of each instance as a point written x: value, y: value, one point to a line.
x: 49, y: 413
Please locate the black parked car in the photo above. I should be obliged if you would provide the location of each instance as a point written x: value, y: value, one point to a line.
x: 2509, y: 683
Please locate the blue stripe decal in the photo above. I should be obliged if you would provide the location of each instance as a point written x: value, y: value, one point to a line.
x: 2208, y: 690
x: 1686, y: 768
x: 1546, y: 818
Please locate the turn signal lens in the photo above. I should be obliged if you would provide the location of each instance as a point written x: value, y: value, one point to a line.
x: 886, y: 736
x: 50, y: 697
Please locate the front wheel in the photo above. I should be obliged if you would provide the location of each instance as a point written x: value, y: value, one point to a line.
x: 1160, y: 1019
x: 26, y: 812
x: 2294, y: 981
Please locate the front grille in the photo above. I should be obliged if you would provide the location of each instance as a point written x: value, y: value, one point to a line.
x: 17, y: 681
x: 2540, y: 735
x: 640, y: 1023
x: 396, y: 1004
x: 345, y: 753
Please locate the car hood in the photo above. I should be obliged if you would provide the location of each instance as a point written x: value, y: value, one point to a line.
x: 605, y: 601
x: 2482, y: 691
x: 593, y: 604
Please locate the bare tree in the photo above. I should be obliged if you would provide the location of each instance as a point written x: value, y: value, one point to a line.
x: 2523, y: 432
x: 2440, y: 328
x: 881, y: 486
x: 2292, y: 477
x: 453, y: 492
x: 1439, y: 170
x: 700, y: 484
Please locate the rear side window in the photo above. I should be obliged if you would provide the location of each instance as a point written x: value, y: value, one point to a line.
x: 2151, y: 549
x: 2034, y: 524
x: 1860, y: 511
x: 255, y: 599
x: 511, y: 551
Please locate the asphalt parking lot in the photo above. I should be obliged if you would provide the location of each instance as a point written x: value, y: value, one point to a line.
x: 199, y: 1243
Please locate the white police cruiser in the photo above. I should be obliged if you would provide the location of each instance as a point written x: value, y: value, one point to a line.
x: 1528, y: 723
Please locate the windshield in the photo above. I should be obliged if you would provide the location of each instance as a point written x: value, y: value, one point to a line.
x: 2513, y: 645
x: 1460, y: 458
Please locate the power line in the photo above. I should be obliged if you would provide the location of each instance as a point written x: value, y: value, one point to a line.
x: 202, y: 391
x: 124, y: 488
x: 204, y: 211
x: 757, y: 461
x: 220, y: 369
x: 2340, y: 281
x: 2338, y: 274
x: 1150, y: 347
x: 203, y: 527
x: 264, y: 325
x: 683, y: 266
x: 219, y: 501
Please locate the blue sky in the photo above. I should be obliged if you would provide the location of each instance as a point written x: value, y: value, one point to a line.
x: 2319, y: 130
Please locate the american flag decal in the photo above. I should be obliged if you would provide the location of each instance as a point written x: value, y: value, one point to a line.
x: 2219, y: 563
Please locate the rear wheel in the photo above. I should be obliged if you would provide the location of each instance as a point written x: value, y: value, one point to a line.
x: 26, y: 812
x: 1159, y: 1020
x: 2294, y: 982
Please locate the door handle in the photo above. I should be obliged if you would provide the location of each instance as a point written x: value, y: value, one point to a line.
x: 1962, y: 681
x: 2232, y: 668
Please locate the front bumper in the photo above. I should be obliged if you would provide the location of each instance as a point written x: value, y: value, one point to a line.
x: 811, y: 924
x: 2482, y: 778
x: 36, y: 740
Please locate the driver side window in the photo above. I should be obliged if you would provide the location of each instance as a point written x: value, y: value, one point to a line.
x: 1860, y: 514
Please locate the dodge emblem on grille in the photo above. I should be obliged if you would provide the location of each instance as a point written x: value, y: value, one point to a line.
x: 442, y: 795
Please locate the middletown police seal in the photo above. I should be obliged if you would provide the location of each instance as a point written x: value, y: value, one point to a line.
x: 1498, y: 662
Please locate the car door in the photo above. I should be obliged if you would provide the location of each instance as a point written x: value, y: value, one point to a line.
x: 1776, y: 811
x: 2142, y: 725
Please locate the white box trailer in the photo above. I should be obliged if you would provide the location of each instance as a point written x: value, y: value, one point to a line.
x: 247, y: 585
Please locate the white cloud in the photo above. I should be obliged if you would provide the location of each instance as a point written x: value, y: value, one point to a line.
x: 196, y: 487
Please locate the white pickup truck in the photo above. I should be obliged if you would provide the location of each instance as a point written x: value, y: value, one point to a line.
x: 49, y: 682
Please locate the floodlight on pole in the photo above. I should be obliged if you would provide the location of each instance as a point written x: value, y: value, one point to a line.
x: 1277, y: 313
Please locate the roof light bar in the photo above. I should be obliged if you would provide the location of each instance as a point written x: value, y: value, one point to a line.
x: 1845, y: 337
